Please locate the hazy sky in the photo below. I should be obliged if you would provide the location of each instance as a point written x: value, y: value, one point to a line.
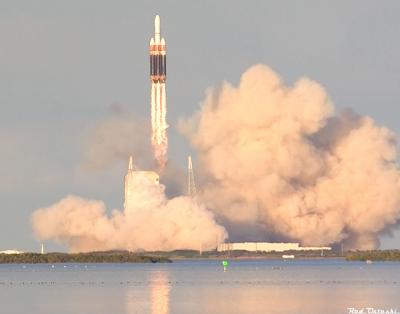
x: 64, y: 63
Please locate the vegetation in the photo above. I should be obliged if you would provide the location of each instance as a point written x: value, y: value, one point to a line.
x: 92, y: 257
x: 159, y: 256
x: 374, y: 255
x: 182, y: 254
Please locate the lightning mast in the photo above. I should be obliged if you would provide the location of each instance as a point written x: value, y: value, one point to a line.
x: 191, y: 186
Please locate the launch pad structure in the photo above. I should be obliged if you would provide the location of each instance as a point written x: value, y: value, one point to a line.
x: 130, y: 177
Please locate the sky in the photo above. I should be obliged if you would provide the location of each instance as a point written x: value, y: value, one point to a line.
x: 64, y: 64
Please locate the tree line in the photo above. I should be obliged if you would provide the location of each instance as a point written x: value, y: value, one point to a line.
x: 93, y: 257
x: 373, y: 255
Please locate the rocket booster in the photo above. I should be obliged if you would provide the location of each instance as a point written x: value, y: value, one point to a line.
x: 158, y: 55
x: 158, y: 99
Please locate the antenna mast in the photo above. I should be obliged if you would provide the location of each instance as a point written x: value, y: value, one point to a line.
x: 191, y: 187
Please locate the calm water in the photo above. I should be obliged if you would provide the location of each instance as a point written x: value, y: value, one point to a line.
x: 248, y: 286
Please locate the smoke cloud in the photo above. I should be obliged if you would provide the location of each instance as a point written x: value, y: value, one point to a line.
x: 279, y: 164
x: 119, y: 135
x: 152, y: 222
x: 275, y: 163
x: 115, y: 138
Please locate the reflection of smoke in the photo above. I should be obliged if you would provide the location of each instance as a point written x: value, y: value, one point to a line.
x: 277, y: 163
x: 160, y: 287
x: 151, y: 222
x: 159, y: 125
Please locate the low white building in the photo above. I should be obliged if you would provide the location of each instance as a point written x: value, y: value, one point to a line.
x: 267, y: 247
x: 11, y: 252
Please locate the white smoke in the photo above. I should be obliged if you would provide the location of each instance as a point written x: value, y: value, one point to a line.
x: 277, y: 163
x: 280, y: 165
x: 123, y: 133
x: 152, y: 222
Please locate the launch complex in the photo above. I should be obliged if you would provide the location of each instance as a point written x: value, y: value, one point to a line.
x: 159, y: 141
x: 158, y: 109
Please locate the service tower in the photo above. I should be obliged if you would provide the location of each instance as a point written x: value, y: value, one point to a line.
x: 134, y: 180
x: 158, y: 76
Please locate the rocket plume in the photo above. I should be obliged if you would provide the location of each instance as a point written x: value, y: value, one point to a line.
x: 278, y: 164
x: 159, y: 138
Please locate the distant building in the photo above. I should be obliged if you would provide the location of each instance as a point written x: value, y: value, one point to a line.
x: 267, y: 247
x: 11, y: 252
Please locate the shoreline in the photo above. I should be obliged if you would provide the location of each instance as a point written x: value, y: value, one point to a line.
x: 83, y: 258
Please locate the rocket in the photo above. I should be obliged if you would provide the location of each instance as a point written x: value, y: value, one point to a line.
x: 158, y: 99
x: 158, y: 54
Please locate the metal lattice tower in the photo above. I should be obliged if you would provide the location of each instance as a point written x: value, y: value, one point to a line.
x: 191, y: 186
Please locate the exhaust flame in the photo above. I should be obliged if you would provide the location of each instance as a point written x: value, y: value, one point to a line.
x: 159, y: 139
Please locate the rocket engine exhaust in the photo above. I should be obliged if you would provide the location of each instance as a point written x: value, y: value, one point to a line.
x: 159, y: 138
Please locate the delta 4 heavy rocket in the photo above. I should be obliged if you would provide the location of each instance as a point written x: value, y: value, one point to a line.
x: 158, y: 75
x: 158, y: 55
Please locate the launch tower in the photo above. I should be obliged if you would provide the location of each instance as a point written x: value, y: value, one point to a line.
x: 131, y: 179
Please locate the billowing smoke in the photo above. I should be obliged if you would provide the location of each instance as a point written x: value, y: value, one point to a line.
x: 121, y: 134
x: 152, y: 222
x: 275, y: 163
x: 278, y: 164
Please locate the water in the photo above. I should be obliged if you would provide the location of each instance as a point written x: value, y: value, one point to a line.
x: 201, y: 286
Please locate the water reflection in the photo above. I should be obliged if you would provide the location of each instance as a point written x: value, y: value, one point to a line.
x: 200, y: 287
x: 135, y: 301
x: 160, y: 288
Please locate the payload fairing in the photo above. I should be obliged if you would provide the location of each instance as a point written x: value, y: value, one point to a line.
x: 158, y: 75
